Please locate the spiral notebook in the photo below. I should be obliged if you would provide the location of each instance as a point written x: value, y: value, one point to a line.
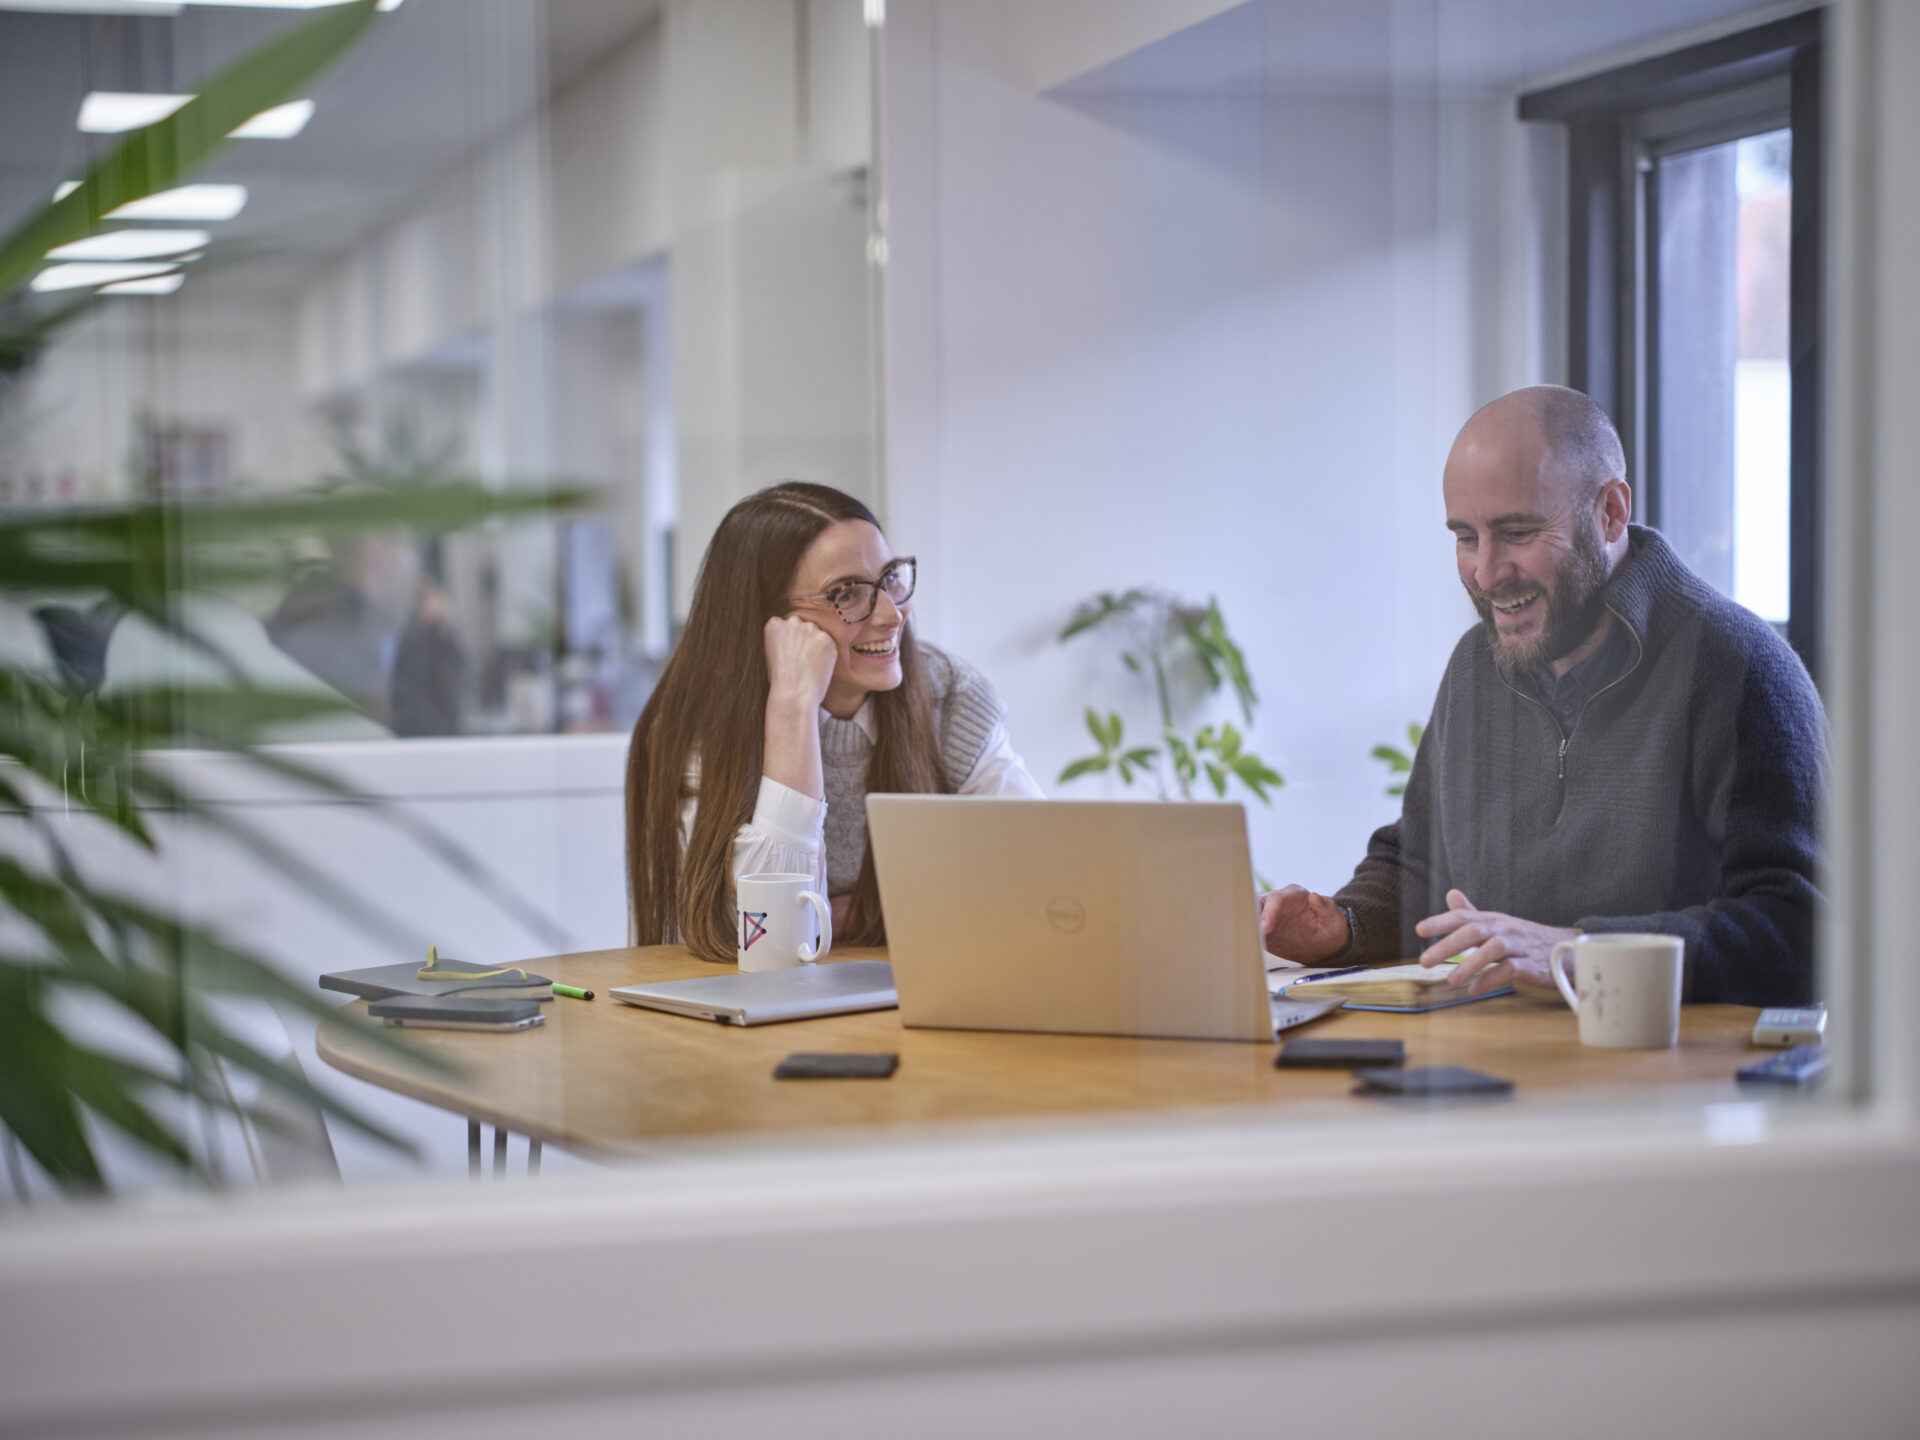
x: 1405, y: 989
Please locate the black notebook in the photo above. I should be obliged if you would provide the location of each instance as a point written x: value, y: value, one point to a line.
x: 380, y: 981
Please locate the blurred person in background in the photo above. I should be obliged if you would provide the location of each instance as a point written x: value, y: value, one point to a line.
x: 364, y: 617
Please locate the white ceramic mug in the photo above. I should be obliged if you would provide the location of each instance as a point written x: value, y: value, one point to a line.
x: 1626, y: 988
x: 783, y: 921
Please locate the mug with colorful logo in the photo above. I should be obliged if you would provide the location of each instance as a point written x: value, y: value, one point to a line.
x: 783, y: 922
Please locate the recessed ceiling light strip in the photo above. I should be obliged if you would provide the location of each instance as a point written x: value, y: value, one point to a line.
x: 80, y: 274
x: 136, y: 244
x: 114, y: 112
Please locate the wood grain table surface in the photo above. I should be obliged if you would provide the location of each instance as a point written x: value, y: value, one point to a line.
x: 603, y: 1077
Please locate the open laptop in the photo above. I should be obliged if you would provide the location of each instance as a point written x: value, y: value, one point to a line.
x: 1083, y: 917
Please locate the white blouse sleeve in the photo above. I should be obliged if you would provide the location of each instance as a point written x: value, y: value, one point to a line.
x: 787, y: 834
x: 999, y: 771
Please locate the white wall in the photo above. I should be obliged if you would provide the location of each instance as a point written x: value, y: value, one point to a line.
x: 69, y: 430
x: 1210, y: 343
x: 1055, y: 40
x: 608, y: 139
x: 772, y: 336
x: 716, y: 138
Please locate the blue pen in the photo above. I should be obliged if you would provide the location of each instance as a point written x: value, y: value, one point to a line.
x: 1333, y: 974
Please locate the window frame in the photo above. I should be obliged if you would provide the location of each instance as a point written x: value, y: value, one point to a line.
x: 1617, y: 123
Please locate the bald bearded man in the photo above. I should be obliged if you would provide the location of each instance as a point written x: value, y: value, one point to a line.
x: 1615, y: 747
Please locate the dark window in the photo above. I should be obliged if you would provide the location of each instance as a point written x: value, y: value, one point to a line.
x: 1694, y: 291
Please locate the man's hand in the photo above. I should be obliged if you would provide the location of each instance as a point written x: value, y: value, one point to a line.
x: 1301, y: 926
x: 800, y: 661
x: 1511, y: 951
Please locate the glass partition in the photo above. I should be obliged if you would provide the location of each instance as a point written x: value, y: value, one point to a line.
x: 612, y: 248
x: 387, y: 370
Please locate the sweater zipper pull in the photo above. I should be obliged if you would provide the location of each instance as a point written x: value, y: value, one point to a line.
x: 1563, y: 756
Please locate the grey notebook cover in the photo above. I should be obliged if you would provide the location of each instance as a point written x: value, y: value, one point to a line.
x: 765, y: 997
x: 384, y: 981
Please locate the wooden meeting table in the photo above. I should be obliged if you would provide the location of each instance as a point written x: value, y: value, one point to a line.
x: 603, y: 1078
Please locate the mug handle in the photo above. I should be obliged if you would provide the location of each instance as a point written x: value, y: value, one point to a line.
x: 1559, y: 975
x: 808, y: 954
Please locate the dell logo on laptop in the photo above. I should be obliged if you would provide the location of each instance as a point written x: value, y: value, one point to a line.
x: 1066, y: 914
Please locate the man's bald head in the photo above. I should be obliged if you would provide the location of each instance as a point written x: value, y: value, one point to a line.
x: 1538, y: 504
x: 1578, y: 446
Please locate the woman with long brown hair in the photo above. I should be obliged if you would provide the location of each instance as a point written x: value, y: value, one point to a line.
x: 798, y: 687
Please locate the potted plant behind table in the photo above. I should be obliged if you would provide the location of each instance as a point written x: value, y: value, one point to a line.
x: 1167, y: 641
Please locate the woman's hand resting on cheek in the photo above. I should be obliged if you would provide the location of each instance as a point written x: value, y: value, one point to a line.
x: 800, y: 661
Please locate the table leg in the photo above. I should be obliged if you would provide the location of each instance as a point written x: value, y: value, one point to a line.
x: 533, y: 1159
x: 473, y: 1149
x: 499, y: 1153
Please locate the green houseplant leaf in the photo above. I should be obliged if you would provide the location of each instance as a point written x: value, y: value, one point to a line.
x: 1400, y: 762
x: 1087, y: 765
x: 1160, y: 629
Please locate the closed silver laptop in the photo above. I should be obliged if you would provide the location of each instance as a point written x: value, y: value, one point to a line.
x: 766, y: 997
x: 1084, y: 917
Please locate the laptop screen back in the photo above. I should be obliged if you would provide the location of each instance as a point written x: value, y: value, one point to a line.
x: 1089, y: 917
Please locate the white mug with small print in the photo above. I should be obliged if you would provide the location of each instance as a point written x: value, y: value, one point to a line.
x: 783, y: 921
x: 1625, y: 989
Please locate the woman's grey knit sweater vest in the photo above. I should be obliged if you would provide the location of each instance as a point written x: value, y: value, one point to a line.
x: 965, y: 712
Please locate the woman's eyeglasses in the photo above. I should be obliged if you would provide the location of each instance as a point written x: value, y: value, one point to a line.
x: 855, y: 600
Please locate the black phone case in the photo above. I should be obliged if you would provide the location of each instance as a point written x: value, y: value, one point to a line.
x: 475, y: 1009
x: 836, y: 1067
x: 1431, y: 1080
x: 1339, y: 1054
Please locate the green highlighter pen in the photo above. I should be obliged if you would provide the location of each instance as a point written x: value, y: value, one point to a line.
x: 571, y: 991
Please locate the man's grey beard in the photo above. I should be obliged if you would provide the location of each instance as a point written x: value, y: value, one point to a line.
x: 1575, y: 602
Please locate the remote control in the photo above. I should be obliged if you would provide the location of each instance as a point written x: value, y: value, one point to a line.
x: 1799, y: 1066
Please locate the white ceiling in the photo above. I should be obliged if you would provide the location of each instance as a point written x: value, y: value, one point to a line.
x: 435, y: 80
x: 440, y: 77
x: 1400, y: 46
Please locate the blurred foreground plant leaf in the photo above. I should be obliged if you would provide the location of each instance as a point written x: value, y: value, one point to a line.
x: 70, y: 752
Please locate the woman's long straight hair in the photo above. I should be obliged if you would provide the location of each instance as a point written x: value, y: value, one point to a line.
x: 711, y: 705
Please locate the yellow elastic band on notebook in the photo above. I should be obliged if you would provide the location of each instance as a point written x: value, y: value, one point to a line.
x: 432, y: 971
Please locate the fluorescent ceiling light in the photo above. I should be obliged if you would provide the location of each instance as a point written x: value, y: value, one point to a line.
x: 168, y: 7
x: 131, y: 245
x: 114, y: 112
x: 82, y: 274
x: 282, y: 122
x: 99, y: 7
x: 282, y: 4
x: 188, y: 202
x: 111, y: 112
x: 152, y: 285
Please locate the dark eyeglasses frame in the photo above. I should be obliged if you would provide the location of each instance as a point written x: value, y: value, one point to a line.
x: 873, y: 590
